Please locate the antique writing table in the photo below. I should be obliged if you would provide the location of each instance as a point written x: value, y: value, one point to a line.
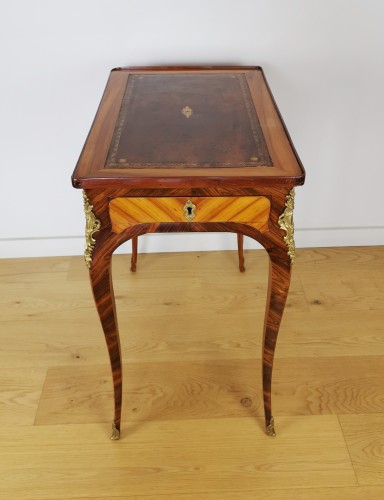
x: 185, y: 149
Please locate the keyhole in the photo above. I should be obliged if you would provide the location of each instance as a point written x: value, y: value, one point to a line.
x: 189, y: 210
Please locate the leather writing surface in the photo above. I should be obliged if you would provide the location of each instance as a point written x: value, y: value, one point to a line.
x: 187, y: 120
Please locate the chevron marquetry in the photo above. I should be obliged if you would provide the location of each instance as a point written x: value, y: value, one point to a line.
x: 251, y: 210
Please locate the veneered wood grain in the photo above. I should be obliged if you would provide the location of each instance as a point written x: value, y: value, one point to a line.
x: 280, y: 147
x: 91, y: 172
x: 96, y: 147
x: 251, y: 210
x: 101, y: 276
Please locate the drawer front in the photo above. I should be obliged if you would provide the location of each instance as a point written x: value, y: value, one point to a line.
x: 251, y: 210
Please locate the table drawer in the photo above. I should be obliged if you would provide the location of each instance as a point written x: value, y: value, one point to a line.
x: 251, y: 210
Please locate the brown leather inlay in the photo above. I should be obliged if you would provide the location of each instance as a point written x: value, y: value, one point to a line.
x: 187, y: 120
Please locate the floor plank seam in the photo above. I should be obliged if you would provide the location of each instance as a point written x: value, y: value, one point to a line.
x: 348, y: 450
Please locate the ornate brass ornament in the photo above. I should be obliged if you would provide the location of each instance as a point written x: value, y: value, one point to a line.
x: 115, y: 432
x: 271, y: 428
x: 189, y: 210
x: 91, y: 226
x: 286, y: 224
x: 187, y: 111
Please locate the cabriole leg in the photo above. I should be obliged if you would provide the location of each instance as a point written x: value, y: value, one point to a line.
x: 101, y: 282
x: 134, y: 254
x: 279, y: 279
x: 240, y: 250
x: 281, y: 258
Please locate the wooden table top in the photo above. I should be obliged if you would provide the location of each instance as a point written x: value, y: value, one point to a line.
x: 187, y: 127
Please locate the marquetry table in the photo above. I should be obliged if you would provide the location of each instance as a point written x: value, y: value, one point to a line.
x: 188, y: 149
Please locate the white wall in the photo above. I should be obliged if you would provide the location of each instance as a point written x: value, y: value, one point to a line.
x: 324, y: 60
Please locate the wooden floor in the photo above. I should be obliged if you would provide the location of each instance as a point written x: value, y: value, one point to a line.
x: 191, y: 328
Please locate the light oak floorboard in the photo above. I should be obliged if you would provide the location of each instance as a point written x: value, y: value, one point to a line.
x: 175, y: 456
x: 191, y: 329
x: 364, y: 435
x: 331, y: 333
x: 340, y: 259
x: 20, y: 391
x: 77, y: 338
x: 178, y: 390
x: 348, y: 290
x: 36, y: 270
x: 350, y: 493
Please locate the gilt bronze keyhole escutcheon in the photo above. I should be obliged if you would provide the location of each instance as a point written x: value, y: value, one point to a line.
x: 189, y: 210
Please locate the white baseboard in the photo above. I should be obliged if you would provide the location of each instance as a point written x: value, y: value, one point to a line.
x: 176, y: 242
